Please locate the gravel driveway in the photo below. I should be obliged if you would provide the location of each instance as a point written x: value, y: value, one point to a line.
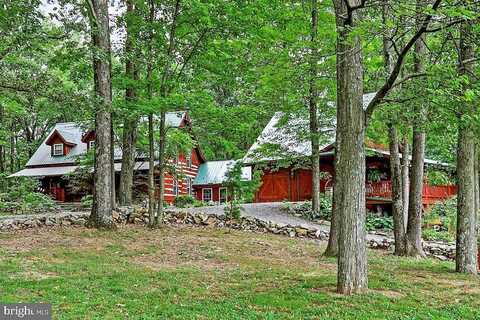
x: 263, y: 211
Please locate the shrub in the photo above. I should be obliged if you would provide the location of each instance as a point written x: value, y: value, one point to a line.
x: 438, y: 178
x: 184, y: 201
x: 378, y: 223
x: 304, y: 209
x: 87, y: 201
x: 437, y: 235
x: 21, y: 196
x: 442, y: 217
x: 232, y: 210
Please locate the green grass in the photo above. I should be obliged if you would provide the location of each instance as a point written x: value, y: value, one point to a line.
x: 196, y: 273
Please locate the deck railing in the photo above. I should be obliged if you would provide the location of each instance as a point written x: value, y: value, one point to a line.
x: 431, y: 194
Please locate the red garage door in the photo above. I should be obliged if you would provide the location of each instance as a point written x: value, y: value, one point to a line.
x: 274, y: 187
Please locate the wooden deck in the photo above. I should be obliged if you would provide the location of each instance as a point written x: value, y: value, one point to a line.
x: 381, y: 192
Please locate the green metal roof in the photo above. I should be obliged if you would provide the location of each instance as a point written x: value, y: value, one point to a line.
x: 213, y: 172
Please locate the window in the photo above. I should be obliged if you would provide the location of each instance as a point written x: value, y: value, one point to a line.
x: 58, y: 149
x: 175, y: 187
x: 189, y: 160
x: 223, y: 195
x: 189, y: 186
x: 91, y: 144
x: 207, y: 194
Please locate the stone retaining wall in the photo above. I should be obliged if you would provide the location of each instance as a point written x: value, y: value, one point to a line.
x: 139, y: 215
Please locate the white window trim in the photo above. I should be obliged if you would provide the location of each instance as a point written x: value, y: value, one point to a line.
x: 189, y: 160
x: 220, y: 194
x: 55, y: 153
x: 203, y: 194
x: 91, y: 144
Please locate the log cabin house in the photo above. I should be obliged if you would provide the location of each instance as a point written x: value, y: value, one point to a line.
x: 286, y: 173
x: 58, y: 155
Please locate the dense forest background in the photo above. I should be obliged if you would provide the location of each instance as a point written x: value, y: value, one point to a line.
x: 245, y: 63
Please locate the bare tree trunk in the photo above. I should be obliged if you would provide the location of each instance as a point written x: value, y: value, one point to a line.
x: 413, y: 243
x: 415, y: 206
x: 161, y: 169
x: 314, y: 140
x: 350, y: 155
x: 405, y: 179
x: 130, y: 122
x: 101, y: 216
x: 13, y: 148
x: 151, y: 136
x: 332, y: 247
x: 128, y: 162
x: 466, y: 249
x: 397, y: 201
x: 395, y: 166
x: 2, y: 155
x: 151, y: 172
x: 113, y: 192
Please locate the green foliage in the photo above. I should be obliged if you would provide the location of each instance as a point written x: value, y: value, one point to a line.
x: 184, y: 201
x: 239, y: 189
x: 232, y: 210
x: 87, y: 201
x: 304, y: 209
x: 375, y: 222
x: 21, y: 197
x: 441, y: 219
x: 437, y: 235
x: 438, y: 178
x: 374, y: 175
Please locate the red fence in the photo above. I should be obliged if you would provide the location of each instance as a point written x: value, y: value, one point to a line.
x: 431, y: 194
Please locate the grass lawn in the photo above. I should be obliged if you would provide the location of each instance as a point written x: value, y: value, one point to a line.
x: 186, y: 272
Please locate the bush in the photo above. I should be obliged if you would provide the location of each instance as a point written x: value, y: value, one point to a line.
x: 378, y: 223
x: 87, y: 201
x: 442, y: 217
x: 304, y: 209
x: 232, y: 210
x: 184, y: 201
x: 437, y: 235
x: 21, y: 196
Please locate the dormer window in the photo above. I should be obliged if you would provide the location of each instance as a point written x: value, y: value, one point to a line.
x: 58, y: 149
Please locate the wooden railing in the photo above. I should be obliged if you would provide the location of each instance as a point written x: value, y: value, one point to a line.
x: 431, y: 194
x: 380, y: 189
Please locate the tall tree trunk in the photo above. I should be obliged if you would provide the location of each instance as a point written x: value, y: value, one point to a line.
x: 413, y: 243
x: 125, y: 191
x: 151, y: 172
x: 466, y: 249
x: 130, y: 121
x: 161, y: 168
x: 2, y: 157
x: 314, y: 135
x: 397, y: 201
x: 332, y: 247
x: 350, y: 155
x: 164, y: 91
x: 151, y: 136
x: 405, y: 179
x: 13, y: 148
x: 395, y: 166
x: 101, y: 216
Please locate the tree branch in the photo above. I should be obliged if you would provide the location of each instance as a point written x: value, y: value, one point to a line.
x: 398, y: 65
